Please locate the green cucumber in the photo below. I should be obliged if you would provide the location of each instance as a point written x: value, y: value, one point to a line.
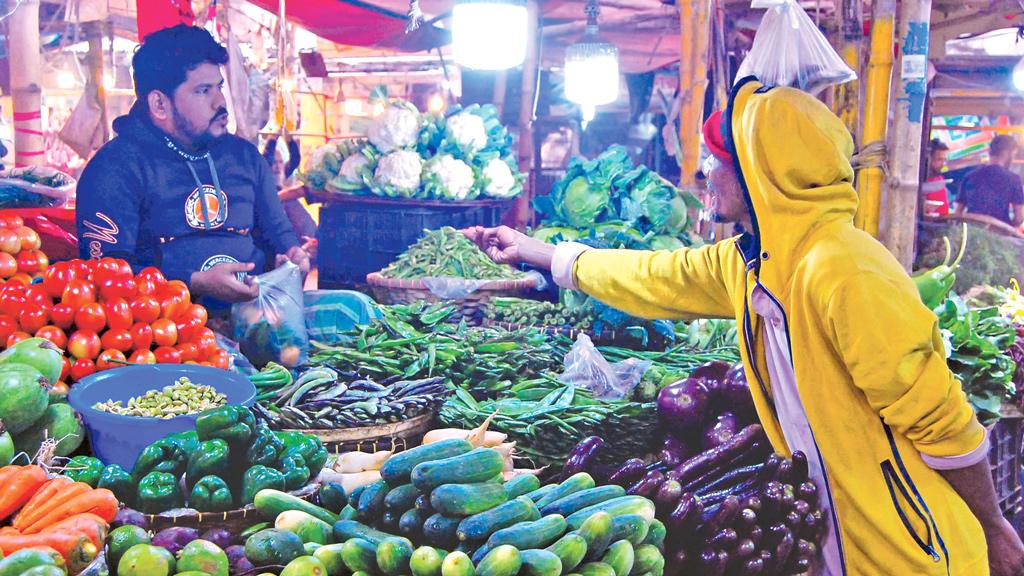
x: 656, y: 534
x: 457, y: 564
x: 632, y: 527
x: 620, y: 556
x: 393, y: 556
x: 541, y: 492
x: 540, y: 563
x: 270, y: 503
x: 330, y: 557
x: 440, y: 530
x: 596, y: 569
x: 522, y: 484
x: 571, y: 485
x: 479, y: 465
x: 577, y: 501
x: 467, y: 499
x: 615, y: 507
x: 332, y: 497
x: 503, y: 560
x: 647, y: 558
x: 311, y: 548
x: 525, y: 535
x: 423, y: 503
x: 401, y: 498
x: 353, y: 497
x: 345, y: 530
x: 389, y: 522
x: 426, y: 561
x: 597, y: 531
x: 371, y: 501
x: 570, y: 549
x: 305, y: 526
x: 348, y: 513
x: 479, y: 526
x: 410, y: 524
x: 360, y: 555
x: 397, y: 469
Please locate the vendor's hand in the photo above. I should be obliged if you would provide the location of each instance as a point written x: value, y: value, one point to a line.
x: 1005, y: 551
x: 507, y: 246
x: 221, y: 282
x: 296, y: 255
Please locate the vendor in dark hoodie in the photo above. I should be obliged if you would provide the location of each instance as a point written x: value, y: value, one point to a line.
x: 174, y: 189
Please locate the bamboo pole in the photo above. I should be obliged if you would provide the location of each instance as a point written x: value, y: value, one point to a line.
x: 848, y: 96
x: 94, y: 62
x: 898, y: 218
x: 876, y: 113
x: 693, y: 57
x: 26, y: 92
x: 522, y: 212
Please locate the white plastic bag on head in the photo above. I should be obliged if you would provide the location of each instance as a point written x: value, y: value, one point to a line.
x: 586, y: 367
x: 790, y: 50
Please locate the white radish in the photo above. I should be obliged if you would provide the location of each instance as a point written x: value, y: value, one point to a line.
x: 353, y: 462
x: 477, y: 435
x: 510, y: 474
x: 352, y: 481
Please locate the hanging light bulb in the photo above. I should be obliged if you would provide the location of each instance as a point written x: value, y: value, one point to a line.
x: 66, y: 80
x: 1018, y: 75
x: 489, y: 34
x: 591, y: 68
x: 436, y: 104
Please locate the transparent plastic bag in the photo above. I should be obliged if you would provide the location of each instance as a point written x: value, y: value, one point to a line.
x: 35, y: 187
x: 790, y: 50
x: 272, y: 328
x: 586, y: 367
x: 459, y: 288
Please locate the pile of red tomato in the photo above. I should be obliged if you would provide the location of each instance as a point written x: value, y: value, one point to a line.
x: 21, y: 260
x: 105, y: 316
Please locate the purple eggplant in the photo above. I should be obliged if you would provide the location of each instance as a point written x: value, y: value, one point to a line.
x: 797, y: 566
x: 127, y: 516
x: 715, y: 371
x: 708, y: 460
x: 756, y: 535
x: 673, y: 451
x: 731, y: 479
x: 800, y: 472
x: 219, y: 536
x: 647, y: 485
x: 808, y: 492
x: 630, y: 471
x: 711, y: 563
x: 174, y: 539
x: 716, y: 518
x: 802, y: 508
x: 237, y: 562
x: 683, y: 512
x: 747, y: 517
x: 725, y: 539
x: 745, y: 548
x: 668, y: 494
x: 682, y: 406
x: 582, y: 456
x: 719, y: 431
x: 753, y: 567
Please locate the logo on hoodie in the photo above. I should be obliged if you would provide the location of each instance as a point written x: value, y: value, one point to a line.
x: 206, y: 208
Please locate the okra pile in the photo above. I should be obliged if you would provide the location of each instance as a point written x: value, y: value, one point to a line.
x: 446, y: 253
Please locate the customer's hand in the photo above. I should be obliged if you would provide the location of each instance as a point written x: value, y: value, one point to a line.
x: 1005, y: 551
x: 221, y: 282
x: 296, y: 255
x: 507, y: 246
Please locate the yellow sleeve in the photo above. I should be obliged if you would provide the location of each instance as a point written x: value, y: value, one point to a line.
x: 892, y: 347
x: 678, y: 285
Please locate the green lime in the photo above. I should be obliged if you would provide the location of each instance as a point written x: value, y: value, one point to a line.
x: 123, y: 538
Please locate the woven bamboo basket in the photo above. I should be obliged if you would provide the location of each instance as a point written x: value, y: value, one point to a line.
x: 619, y: 338
x: 234, y: 521
x: 393, y: 436
x: 471, y: 308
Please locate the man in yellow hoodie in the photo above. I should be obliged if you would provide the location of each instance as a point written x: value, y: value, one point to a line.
x: 845, y: 362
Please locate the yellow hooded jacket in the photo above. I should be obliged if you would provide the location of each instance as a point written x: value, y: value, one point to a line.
x: 867, y: 355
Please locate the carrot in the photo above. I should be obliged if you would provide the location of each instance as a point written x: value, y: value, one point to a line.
x: 48, y: 500
x: 19, y: 488
x: 100, y: 502
x: 89, y: 525
x: 73, y: 547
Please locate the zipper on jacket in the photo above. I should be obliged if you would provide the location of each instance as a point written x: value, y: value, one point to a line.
x: 892, y: 482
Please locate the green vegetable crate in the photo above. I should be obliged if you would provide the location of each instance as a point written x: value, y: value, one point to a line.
x: 1007, y: 438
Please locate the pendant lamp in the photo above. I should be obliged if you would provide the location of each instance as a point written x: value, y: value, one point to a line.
x: 591, y: 68
x: 489, y: 34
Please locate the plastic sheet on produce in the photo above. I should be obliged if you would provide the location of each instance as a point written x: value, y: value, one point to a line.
x: 586, y: 367
x: 459, y: 288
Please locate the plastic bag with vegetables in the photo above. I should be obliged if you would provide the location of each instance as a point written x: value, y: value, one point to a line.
x: 272, y: 327
x: 587, y: 368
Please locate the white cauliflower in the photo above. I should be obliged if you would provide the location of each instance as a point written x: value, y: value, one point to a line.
x: 400, y: 169
x: 453, y: 178
x: 501, y: 183
x: 467, y: 130
x: 397, y: 127
x: 352, y: 167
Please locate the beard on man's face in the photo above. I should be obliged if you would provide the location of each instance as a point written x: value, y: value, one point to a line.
x: 201, y: 135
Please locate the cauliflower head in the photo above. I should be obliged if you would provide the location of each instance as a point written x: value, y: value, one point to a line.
x: 397, y: 127
x: 352, y: 167
x: 501, y: 183
x: 400, y: 169
x: 452, y: 178
x: 467, y: 130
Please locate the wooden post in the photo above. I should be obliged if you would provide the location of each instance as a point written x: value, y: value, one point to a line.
x: 522, y: 212
x: 848, y: 96
x: 26, y: 92
x: 898, y: 218
x: 693, y: 79
x: 94, y: 62
x: 500, y: 88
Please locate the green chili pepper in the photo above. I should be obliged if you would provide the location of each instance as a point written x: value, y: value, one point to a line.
x: 211, y: 494
x: 159, y: 492
x: 160, y: 456
x: 296, y: 472
x: 212, y: 458
x: 121, y: 483
x: 233, y: 424
x: 935, y: 284
x: 84, y: 469
x: 265, y: 448
x: 257, y: 478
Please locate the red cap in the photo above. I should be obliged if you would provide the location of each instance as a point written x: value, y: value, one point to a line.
x: 714, y: 139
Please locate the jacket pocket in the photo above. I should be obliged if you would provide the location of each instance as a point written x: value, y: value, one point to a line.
x: 911, y: 516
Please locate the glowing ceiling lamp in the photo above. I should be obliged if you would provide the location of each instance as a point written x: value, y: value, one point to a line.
x: 1018, y: 75
x: 489, y: 34
x: 591, y: 68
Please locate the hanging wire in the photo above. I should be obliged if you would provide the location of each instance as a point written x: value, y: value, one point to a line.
x: 11, y: 11
x: 415, y: 16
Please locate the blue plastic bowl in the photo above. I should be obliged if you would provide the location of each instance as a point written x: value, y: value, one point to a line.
x: 118, y: 439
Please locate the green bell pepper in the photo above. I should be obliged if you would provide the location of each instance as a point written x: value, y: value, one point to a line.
x: 233, y: 424
x: 213, y: 458
x: 159, y: 492
x: 257, y: 478
x: 160, y: 456
x: 187, y: 441
x: 265, y: 448
x: 211, y: 494
x: 312, y: 451
x: 121, y: 483
x: 84, y: 469
x: 296, y: 473
x: 290, y: 439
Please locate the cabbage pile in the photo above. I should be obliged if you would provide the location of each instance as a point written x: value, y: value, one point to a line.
x: 463, y: 155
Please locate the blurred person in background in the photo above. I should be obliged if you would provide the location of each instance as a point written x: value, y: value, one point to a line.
x: 993, y: 190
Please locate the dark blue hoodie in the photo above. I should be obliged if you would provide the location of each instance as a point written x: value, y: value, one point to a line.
x: 145, y: 200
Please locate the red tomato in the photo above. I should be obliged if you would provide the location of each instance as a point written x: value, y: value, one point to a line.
x: 53, y: 334
x: 32, y: 318
x: 119, y: 314
x: 145, y: 286
x: 10, y: 243
x: 142, y: 336
x: 8, y: 265
x: 167, y: 355
x: 65, y: 371
x: 187, y: 329
x: 78, y: 293
x: 81, y: 368
x: 207, y: 345
x: 29, y: 238
x: 165, y: 332
x: 11, y: 221
x: 84, y: 344
x: 197, y: 312
x: 16, y: 337
x: 143, y: 357
x: 91, y: 316
x: 44, y: 260
x: 8, y: 326
x: 221, y: 360
x: 145, y: 309
x: 153, y: 274
x: 22, y: 278
x: 118, y: 288
x: 80, y: 269
x: 28, y: 262
x: 63, y: 316
x: 117, y: 339
x: 172, y: 306
x: 35, y: 295
x: 12, y: 299
x: 56, y: 278
x: 111, y: 269
x: 110, y: 359
x: 189, y: 352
